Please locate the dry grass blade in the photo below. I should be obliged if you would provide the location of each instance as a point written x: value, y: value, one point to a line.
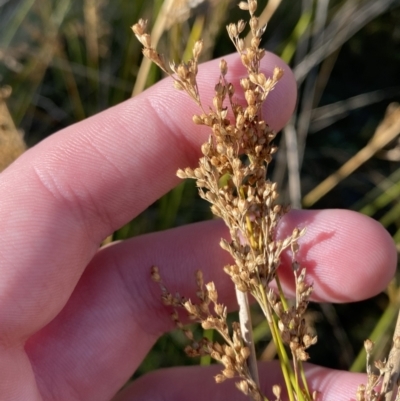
x: 387, y: 130
x: 349, y: 20
x: 324, y: 116
x: 12, y: 144
x: 312, y: 88
x: 293, y: 165
x: 172, y: 11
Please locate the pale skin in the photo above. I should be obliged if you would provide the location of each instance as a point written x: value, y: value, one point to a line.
x: 76, y: 321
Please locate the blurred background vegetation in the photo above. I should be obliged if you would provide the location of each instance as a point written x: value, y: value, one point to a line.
x: 67, y: 60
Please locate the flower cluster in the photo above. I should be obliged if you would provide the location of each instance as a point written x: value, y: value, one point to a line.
x: 383, y: 381
x: 231, y: 175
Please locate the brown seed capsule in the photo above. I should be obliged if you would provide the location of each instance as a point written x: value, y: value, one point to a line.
x: 276, y: 390
x: 243, y: 387
x: 255, y: 42
x: 253, y: 20
x: 217, y: 102
x: 243, y: 5
x: 368, y: 345
x: 241, y: 25
x: 197, y: 119
x: 245, y: 60
x: 360, y: 394
x: 232, y: 30
x: 146, y: 40
x: 245, y: 351
x: 250, y: 97
x: 205, y: 149
x: 197, y: 48
x: 241, y: 44
x: 223, y: 67
x: 226, y: 360
x: 189, y: 172
x: 137, y: 29
x: 278, y: 73
x: 155, y: 275
x: 178, y: 85
x: 207, y: 325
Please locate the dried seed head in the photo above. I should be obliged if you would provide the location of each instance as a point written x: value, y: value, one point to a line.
x: 189, y: 172
x: 241, y: 25
x: 360, y: 394
x: 145, y: 39
x: 197, y: 48
x: 179, y: 85
x: 252, y: 6
x: 245, y: 352
x: 241, y: 45
x: 223, y: 67
x: 243, y: 387
x: 206, y: 325
x: 276, y: 390
x: 381, y: 366
x: 369, y: 346
x: 219, y: 378
x: 155, y: 274
x: 232, y: 30
x: 253, y: 23
x: 250, y: 97
x: 309, y: 340
x: 152, y: 55
x: 228, y: 373
x: 197, y: 119
x: 181, y: 174
x: 243, y: 5
x: 206, y: 148
x: 182, y: 71
x: 278, y: 74
x: 140, y: 27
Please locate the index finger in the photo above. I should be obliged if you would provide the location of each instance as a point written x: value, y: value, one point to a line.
x: 61, y: 198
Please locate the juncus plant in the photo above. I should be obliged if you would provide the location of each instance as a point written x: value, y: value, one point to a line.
x: 232, y: 176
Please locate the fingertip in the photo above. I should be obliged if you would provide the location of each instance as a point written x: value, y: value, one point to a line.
x: 333, y: 384
x: 348, y: 256
x: 328, y: 383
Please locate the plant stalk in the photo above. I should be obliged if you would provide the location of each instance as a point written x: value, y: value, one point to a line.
x: 246, y: 329
x: 391, y: 378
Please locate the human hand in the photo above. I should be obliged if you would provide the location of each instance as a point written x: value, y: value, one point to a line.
x: 76, y: 321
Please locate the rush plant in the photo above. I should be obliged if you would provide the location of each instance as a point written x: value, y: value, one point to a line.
x: 232, y: 176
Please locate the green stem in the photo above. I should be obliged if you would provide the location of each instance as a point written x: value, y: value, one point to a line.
x: 304, y: 381
x: 290, y: 377
x: 283, y: 358
x: 281, y: 294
